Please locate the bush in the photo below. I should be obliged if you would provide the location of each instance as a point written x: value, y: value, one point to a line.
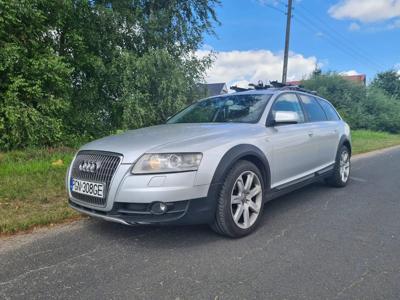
x: 362, y: 107
x: 77, y: 70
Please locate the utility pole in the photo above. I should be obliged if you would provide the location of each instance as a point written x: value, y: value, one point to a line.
x: 287, y: 40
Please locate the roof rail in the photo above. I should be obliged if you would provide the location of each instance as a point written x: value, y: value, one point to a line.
x: 298, y: 88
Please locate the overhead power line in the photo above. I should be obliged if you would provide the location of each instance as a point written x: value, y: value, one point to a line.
x: 340, y: 44
x: 336, y: 45
x: 275, y: 8
x: 332, y: 29
x: 332, y: 36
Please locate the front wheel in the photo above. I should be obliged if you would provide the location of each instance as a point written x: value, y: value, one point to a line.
x: 341, y: 170
x: 240, y: 203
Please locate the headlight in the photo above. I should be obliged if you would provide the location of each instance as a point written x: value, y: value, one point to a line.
x: 167, y: 163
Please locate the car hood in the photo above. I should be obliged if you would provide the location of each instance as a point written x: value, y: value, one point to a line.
x: 167, y: 138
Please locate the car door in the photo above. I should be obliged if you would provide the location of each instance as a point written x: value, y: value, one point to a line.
x: 292, y: 147
x: 332, y: 127
x: 325, y: 132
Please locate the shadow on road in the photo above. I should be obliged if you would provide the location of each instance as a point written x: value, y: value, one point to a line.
x: 189, y: 236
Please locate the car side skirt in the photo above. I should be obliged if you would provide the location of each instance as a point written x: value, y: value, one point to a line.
x: 299, y: 183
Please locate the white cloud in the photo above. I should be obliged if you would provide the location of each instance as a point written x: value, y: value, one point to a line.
x: 354, y: 27
x: 366, y: 10
x: 350, y: 73
x: 243, y: 67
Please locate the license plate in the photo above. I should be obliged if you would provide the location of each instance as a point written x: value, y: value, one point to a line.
x: 94, y: 189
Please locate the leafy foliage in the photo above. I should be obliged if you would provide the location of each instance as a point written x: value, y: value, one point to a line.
x: 85, y: 68
x: 34, y: 87
x: 362, y: 107
x: 151, y: 99
x: 389, y: 82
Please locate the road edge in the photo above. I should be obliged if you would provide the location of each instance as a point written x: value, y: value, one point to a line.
x: 375, y: 152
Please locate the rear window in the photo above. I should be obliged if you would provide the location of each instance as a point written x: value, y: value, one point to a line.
x: 313, y: 110
x: 329, y: 110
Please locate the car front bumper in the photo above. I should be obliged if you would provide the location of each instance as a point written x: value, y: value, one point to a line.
x: 129, y: 199
x: 194, y: 211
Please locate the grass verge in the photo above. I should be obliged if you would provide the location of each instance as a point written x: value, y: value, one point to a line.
x: 32, y: 191
x: 366, y: 141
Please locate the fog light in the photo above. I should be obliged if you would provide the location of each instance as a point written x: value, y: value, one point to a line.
x: 159, y: 208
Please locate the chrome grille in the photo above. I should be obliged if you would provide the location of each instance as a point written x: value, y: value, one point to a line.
x: 108, y: 162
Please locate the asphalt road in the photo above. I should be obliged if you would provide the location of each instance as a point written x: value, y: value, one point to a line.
x: 318, y: 242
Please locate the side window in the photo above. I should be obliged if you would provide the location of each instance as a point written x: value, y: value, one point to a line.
x: 313, y: 109
x: 329, y: 110
x: 288, y: 102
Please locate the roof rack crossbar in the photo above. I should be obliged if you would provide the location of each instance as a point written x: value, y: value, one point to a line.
x: 239, y: 89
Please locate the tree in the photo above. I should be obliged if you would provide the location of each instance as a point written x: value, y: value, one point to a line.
x: 362, y: 107
x: 96, y: 36
x: 34, y: 79
x: 389, y: 82
x: 164, y: 90
x: 346, y: 96
x: 85, y: 67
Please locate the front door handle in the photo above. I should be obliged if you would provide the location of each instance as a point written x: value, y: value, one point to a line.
x: 311, y: 134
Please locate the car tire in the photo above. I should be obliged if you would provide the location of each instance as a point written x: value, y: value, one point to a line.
x: 240, y: 202
x: 341, y: 170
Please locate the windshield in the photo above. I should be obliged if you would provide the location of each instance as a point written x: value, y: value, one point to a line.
x: 234, y: 108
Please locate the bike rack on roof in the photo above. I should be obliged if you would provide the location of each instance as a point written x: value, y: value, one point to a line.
x: 273, y: 85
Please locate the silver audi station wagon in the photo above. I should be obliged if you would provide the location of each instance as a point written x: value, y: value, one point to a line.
x: 216, y: 162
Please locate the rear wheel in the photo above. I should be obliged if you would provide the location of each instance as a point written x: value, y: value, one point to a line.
x: 341, y: 171
x: 241, y: 200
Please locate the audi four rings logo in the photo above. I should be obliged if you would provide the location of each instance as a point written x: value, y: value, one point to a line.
x: 89, y: 166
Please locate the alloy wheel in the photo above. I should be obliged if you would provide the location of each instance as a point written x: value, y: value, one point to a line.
x: 344, y: 166
x: 246, y: 199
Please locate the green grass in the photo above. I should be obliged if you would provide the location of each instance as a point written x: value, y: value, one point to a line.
x: 366, y: 141
x: 32, y: 191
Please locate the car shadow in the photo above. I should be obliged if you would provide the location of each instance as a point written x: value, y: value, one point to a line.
x: 167, y: 236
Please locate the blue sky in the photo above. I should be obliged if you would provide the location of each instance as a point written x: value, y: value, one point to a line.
x: 360, y: 36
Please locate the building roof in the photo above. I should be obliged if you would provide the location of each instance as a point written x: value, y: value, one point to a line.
x: 361, y: 78
x: 213, y: 89
x: 296, y: 82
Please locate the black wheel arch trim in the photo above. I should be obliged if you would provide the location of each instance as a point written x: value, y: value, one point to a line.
x: 238, y: 152
x: 345, y: 140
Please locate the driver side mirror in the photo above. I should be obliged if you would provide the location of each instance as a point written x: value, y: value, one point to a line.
x: 286, y: 117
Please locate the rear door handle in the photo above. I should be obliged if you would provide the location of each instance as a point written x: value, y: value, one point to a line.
x: 311, y: 134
